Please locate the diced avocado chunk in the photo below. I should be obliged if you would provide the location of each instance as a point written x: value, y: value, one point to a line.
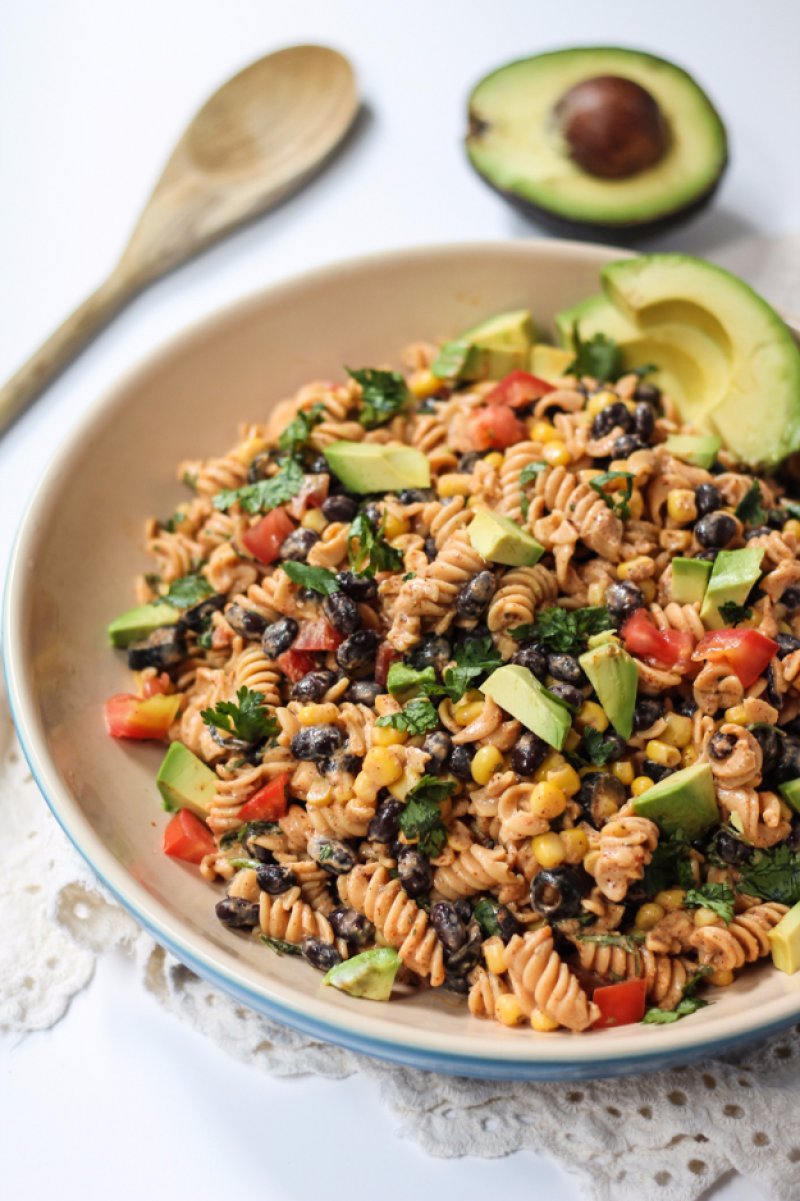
x: 498, y: 539
x: 549, y: 362
x: 614, y: 676
x: 689, y: 580
x: 488, y: 351
x: 185, y: 782
x: 784, y: 941
x: 790, y: 791
x: 374, y: 467
x: 141, y: 621
x: 698, y: 449
x: 517, y: 690
x: 684, y: 801
x: 733, y: 575
x: 370, y: 974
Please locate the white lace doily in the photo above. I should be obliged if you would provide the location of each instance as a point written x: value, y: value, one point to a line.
x: 668, y: 1135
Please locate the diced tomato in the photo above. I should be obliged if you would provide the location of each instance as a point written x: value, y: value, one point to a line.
x: 129, y: 716
x: 317, y: 635
x: 264, y: 539
x: 495, y: 428
x: 269, y: 803
x: 157, y: 685
x: 187, y: 838
x: 313, y: 492
x: 296, y: 664
x: 384, y: 659
x: 672, y: 648
x: 518, y: 389
x: 620, y: 1004
x: 747, y: 652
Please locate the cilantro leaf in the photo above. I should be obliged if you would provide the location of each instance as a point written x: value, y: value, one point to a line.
x: 247, y: 719
x: 367, y: 549
x: 731, y: 613
x: 401, y: 678
x: 670, y: 865
x: 187, y: 591
x: 249, y: 830
x: 298, y: 431
x: 528, y: 473
x: 417, y: 717
x: 718, y: 898
x: 421, y: 818
x: 750, y: 508
x: 318, y: 579
x: 791, y: 507
x: 280, y: 946
x: 772, y: 873
x: 485, y: 914
x: 617, y: 501
x: 599, y: 358
x: 475, y: 657
x: 645, y: 369
x: 384, y: 394
x: 661, y: 1017
x: 264, y: 495
x: 565, y: 630
x: 172, y: 523
x: 610, y: 938
x: 598, y: 749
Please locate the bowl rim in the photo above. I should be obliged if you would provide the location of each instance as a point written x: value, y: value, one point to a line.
x: 366, y: 1032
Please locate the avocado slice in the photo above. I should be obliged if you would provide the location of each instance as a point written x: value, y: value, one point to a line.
x: 521, y: 142
x: 375, y: 467
x: 733, y: 575
x: 684, y: 801
x: 498, y: 539
x: 790, y: 791
x: 517, y: 690
x: 490, y: 350
x: 700, y: 450
x: 689, y: 580
x: 137, y: 623
x: 370, y: 974
x: 549, y: 362
x: 784, y: 940
x: 185, y: 782
x: 614, y: 676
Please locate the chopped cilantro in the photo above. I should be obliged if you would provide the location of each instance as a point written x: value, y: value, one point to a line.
x: 718, y: 898
x: 791, y: 507
x: 297, y: 432
x: 670, y: 865
x: 247, y: 719
x: 280, y: 945
x: 325, y: 852
x: 565, y: 630
x: 475, y: 656
x: 599, y: 358
x: 528, y: 473
x: 772, y: 873
x: 645, y: 369
x: 248, y: 830
x: 662, y: 1017
x: 485, y: 914
x: 421, y: 818
x: 172, y: 523
x: 731, y: 613
x: 187, y: 591
x: 617, y: 501
x: 610, y: 938
x: 750, y: 508
x: 318, y: 579
x: 598, y: 749
x: 264, y: 495
x: 368, y: 550
x: 417, y: 717
x: 189, y: 478
x: 384, y: 394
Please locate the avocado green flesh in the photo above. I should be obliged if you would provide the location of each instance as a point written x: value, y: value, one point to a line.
x: 700, y: 450
x: 689, y: 580
x: 141, y: 621
x: 517, y: 690
x: 614, y: 676
x: 373, y: 467
x: 490, y: 350
x: 516, y: 145
x: 733, y: 575
x: 549, y: 362
x: 370, y: 974
x: 684, y: 802
x: 784, y: 940
x: 498, y: 539
x: 790, y: 791
x: 185, y: 782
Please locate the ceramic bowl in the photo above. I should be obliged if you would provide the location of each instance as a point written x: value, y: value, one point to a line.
x: 80, y: 546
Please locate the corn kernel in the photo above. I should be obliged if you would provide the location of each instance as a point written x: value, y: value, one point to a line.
x: 639, y: 568
x: 381, y: 766
x: 401, y: 788
x: 604, y: 809
x: 549, y: 765
x: 363, y: 787
x: 542, y: 1022
x: 314, y: 519
x: 647, y: 915
x: 566, y: 778
x: 548, y: 850
x: 494, y: 955
x: 592, y: 714
x: 320, y: 798
x: 394, y: 525
x: 556, y: 454
x: 636, y: 505
x: 662, y: 753
x: 596, y: 593
x: 575, y: 844
x: 547, y: 801
x: 648, y: 590
x: 423, y: 384
x: 388, y: 736
x: 454, y: 483
x: 721, y: 978
x: 494, y: 460
x: 590, y: 861
x: 572, y: 740
x: 543, y: 431
x: 623, y: 770
x: 485, y: 763
x: 248, y: 450
x: 317, y: 715
x: 600, y: 401
x: 640, y: 785
x: 670, y: 899
x: 689, y: 755
x: 792, y: 527
x: 678, y: 730
x: 681, y: 505
x: 737, y: 715
x: 508, y: 1010
x: 707, y: 917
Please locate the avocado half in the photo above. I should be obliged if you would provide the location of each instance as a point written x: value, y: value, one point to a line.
x: 538, y: 125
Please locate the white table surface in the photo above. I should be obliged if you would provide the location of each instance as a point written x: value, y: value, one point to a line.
x: 120, y: 1099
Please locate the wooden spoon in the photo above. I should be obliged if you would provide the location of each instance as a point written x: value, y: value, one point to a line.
x: 256, y: 140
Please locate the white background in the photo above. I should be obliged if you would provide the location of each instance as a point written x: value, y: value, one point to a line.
x: 120, y: 1100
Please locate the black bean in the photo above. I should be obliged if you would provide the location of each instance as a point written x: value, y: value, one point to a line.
x: 623, y: 599
x: 707, y: 499
x: 756, y: 531
x: 340, y: 761
x: 354, y: 927
x: 612, y: 415
x: 316, y: 742
x: 461, y: 762
x: 439, y: 746
x: 566, y: 668
x: 507, y: 923
x: 706, y: 556
x: 430, y: 548
x: 528, y: 753
x: 557, y: 892
x: 313, y: 685
x: 771, y: 693
x: 432, y: 651
x: 341, y: 612
x: 648, y: 392
x: 685, y: 705
x: 319, y: 954
x: 467, y: 461
x: 245, y: 622
x: 721, y: 746
x: 475, y: 595
x: 279, y: 636
x: 416, y: 496
x: 656, y: 771
x: 414, y: 871
x: 468, y: 955
x: 386, y: 822
x: 787, y: 644
x: 259, y: 467
x: 331, y: 854
x: 357, y: 587
x: 715, y: 530
x: 731, y: 849
x: 454, y: 983
x: 598, y: 788
x: 162, y: 649
x: 448, y: 925
x: 791, y: 598
x: 198, y: 616
x: 364, y: 692
x: 297, y: 545
x: 624, y: 446
x: 789, y: 765
x: 644, y: 422
x: 373, y: 513
x: 319, y: 466
x: 237, y: 914
x: 647, y: 712
x: 769, y: 740
x: 275, y: 879
x: 615, y: 745
x: 793, y: 838
x: 533, y: 658
x: 339, y: 508
x: 568, y: 694
x: 463, y: 909
x: 357, y: 653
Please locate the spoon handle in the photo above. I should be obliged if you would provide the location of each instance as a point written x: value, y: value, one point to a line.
x: 63, y: 345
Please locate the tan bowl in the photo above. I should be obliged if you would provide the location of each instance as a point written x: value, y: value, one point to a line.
x: 72, y: 570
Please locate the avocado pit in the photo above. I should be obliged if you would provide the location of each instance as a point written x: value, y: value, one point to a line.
x: 613, y: 126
